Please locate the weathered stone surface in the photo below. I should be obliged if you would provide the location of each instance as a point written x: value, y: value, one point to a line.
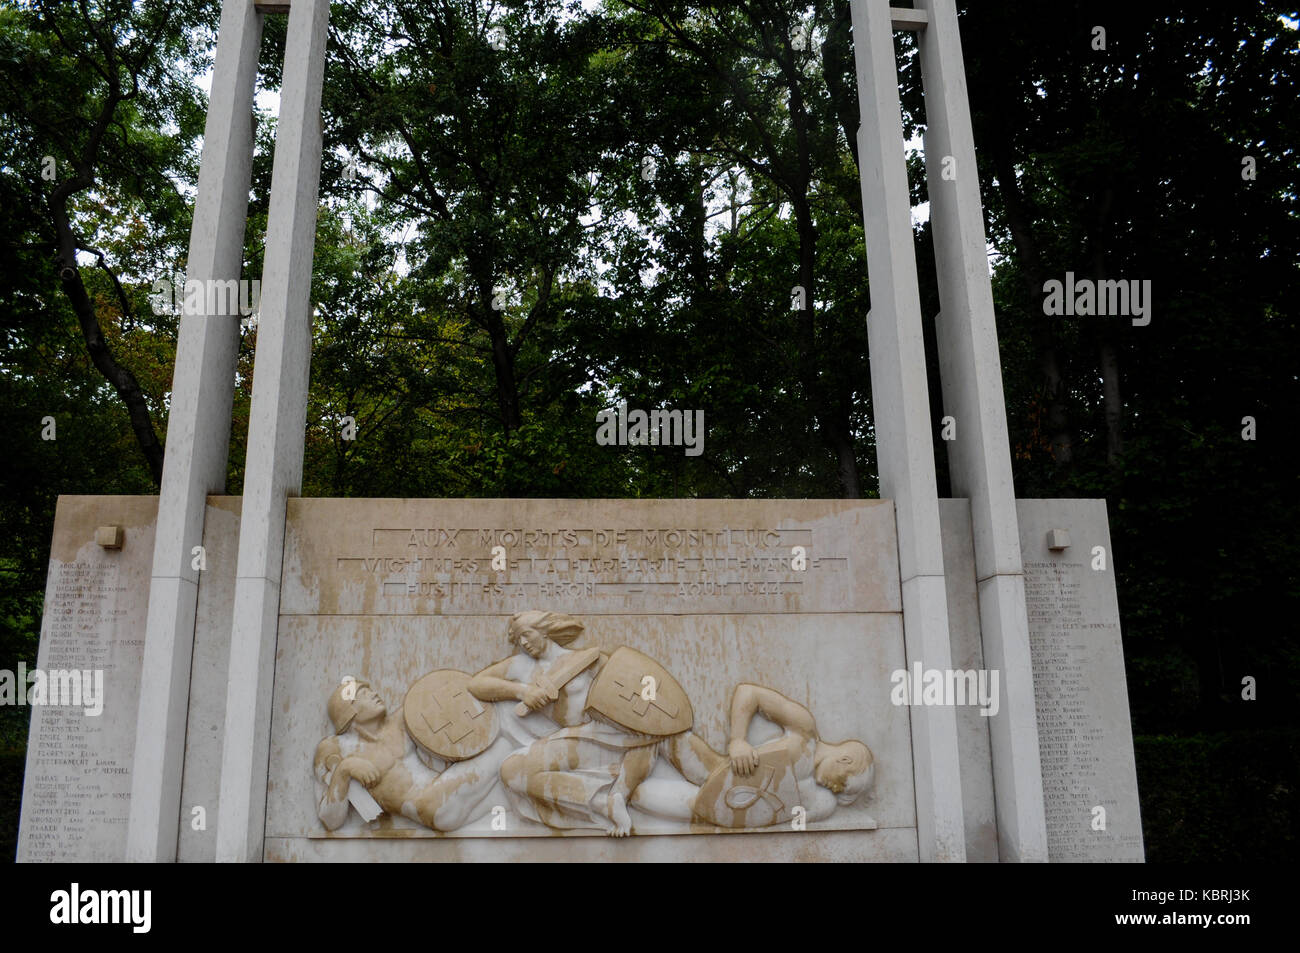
x: 885, y: 845
x: 829, y: 639
x: 978, y: 805
x: 1084, y: 730
x: 837, y: 665
x: 201, y: 783
x: 198, y: 434
x: 903, y: 419
x: 77, y: 788
x: 276, y: 424
x: 434, y: 557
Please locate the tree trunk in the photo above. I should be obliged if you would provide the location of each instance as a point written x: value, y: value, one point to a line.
x: 1019, y: 221
x: 842, y: 443
x: 1060, y: 436
x: 834, y: 428
x: 123, y: 381
x: 699, y: 242
x: 837, y: 58
x: 1108, y: 353
x: 1111, y: 398
x: 503, y: 364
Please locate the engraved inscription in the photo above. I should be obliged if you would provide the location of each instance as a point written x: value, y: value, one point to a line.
x: 584, y: 564
x: 459, y: 557
x: 78, y: 784
x: 1073, y: 653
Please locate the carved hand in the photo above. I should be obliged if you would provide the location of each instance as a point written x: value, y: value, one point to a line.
x: 338, y: 789
x: 744, y: 759
x: 361, y: 769
x: 534, y: 696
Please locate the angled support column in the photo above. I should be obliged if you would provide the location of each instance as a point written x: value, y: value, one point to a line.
x: 902, y: 415
x: 275, y: 434
x: 980, y: 457
x: 198, y: 439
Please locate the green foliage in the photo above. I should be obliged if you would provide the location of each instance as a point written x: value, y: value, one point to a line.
x: 1226, y: 796
x: 11, y: 797
x: 1128, y: 163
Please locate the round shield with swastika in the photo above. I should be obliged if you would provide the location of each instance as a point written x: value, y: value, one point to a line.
x: 444, y: 718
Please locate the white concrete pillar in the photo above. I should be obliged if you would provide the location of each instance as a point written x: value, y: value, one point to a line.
x: 902, y: 422
x: 198, y: 439
x: 980, y: 457
x: 275, y: 435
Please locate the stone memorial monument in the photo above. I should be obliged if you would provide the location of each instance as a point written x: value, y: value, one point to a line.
x: 899, y: 679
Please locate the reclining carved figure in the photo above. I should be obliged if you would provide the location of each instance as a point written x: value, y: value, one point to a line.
x: 436, y: 759
x: 756, y: 787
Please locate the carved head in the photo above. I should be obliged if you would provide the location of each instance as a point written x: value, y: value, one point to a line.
x: 846, y: 770
x: 530, y: 630
x: 369, y: 704
x: 353, y: 699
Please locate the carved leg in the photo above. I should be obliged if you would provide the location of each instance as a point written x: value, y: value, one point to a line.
x: 513, y: 772
x: 634, y: 770
x: 691, y: 756
x: 670, y: 799
x: 458, y: 795
x: 562, y: 801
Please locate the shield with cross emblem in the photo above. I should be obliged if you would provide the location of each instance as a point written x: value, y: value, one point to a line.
x: 444, y: 718
x: 637, y: 693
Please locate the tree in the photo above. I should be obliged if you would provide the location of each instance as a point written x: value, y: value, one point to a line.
x: 1128, y: 163
x: 84, y: 144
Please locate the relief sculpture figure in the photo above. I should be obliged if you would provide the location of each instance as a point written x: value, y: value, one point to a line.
x: 754, y: 787
x: 575, y: 739
x: 583, y: 777
x: 436, y: 759
x: 545, y: 683
x: 371, y: 746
